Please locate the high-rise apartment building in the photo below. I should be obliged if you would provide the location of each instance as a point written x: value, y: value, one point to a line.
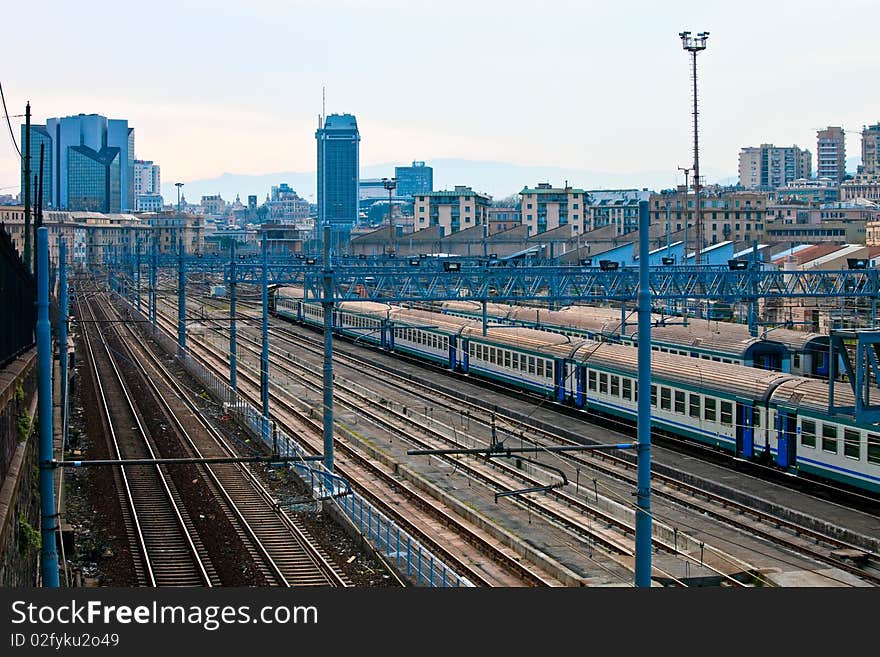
x: 87, y: 141
x: 414, y: 180
x: 768, y: 167
x: 147, y: 186
x: 831, y: 154
x: 147, y: 177
x: 870, y: 151
x: 338, y: 166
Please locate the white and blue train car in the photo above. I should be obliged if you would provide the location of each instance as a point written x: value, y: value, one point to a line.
x: 832, y: 447
x: 748, y: 412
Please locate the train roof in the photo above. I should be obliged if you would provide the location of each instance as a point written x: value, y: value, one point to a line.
x: 811, y: 395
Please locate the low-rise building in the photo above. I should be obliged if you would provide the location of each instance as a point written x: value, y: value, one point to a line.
x: 501, y: 219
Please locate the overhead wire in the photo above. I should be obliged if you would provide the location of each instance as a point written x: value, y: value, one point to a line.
x: 8, y: 122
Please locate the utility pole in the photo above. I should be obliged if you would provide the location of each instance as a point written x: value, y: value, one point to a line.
x: 694, y: 44
x: 27, y: 185
x: 38, y: 200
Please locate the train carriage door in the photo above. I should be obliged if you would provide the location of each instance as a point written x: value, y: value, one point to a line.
x: 786, y: 428
x: 559, y: 381
x: 581, y: 384
x: 745, y: 431
x: 462, y: 356
x: 820, y: 363
x: 390, y: 339
x: 383, y: 331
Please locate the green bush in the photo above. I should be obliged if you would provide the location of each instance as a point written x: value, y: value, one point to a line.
x: 28, y: 537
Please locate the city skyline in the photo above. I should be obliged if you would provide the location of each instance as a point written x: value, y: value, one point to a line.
x: 591, y: 98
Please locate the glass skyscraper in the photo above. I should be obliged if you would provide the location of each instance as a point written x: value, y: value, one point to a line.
x: 93, y: 181
x: 338, y: 173
x: 414, y: 180
x: 39, y: 135
x: 108, y: 154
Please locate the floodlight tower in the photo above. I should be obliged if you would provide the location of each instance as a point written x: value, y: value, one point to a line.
x: 694, y: 44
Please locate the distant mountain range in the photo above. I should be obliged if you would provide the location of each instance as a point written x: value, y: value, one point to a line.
x: 499, y: 179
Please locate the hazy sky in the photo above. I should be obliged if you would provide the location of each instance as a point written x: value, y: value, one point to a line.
x: 220, y: 86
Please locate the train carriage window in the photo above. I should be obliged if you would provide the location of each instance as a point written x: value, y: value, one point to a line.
x: 603, y: 383
x: 873, y: 448
x: 492, y: 355
x: 592, y: 381
x: 665, y: 398
x: 636, y: 391
x: 653, y: 395
x: 531, y: 364
x: 852, y: 444
x: 472, y: 350
x: 507, y: 359
x: 615, y: 385
x: 829, y: 438
x: 514, y: 361
x: 796, y: 360
x: 709, y: 409
x: 727, y: 413
x: 548, y: 370
x: 627, y: 388
x: 679, y: 402
x: 756, y: 417
x: 694, y: 406
x: 540, y: 364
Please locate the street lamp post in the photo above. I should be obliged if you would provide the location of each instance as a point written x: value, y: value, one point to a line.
x: 694, y: 44
x: 177, y: 237
x: 390, y: 184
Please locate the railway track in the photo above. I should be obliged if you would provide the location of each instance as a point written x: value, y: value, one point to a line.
x: 277, y: 543
x: 374, y: 483
x: 827, y: 547
x: 167, y: 550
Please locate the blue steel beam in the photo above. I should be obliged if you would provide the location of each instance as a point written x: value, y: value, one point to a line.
x: 49, y: 553
x: 643, y: 426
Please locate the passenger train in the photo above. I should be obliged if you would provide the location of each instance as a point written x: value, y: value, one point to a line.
x: 775, y: 417
x: 779, y: 349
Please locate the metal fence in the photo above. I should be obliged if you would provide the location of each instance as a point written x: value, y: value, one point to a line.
x: 386, y: 536
x: 18, y: 302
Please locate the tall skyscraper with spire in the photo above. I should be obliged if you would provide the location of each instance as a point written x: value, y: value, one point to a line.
x: 338, y: 142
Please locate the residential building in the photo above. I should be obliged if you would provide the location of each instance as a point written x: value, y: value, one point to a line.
x: 726, y: 214
x: 545, y: 207
x: 214, y: 205
x: 831, y: 154
x: 338, y: 142
x: 866, y: 186
x: 618, y: 208
x: 148, y: 202
x: 147, y: 186
x: 451, y: 210
x: 501, y: 219
x: 872, y: 233
x: 414, y: 180
x: 286, y: 206
x: 870, y: 150
x: 768, y: 167
x: 819, y: 190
